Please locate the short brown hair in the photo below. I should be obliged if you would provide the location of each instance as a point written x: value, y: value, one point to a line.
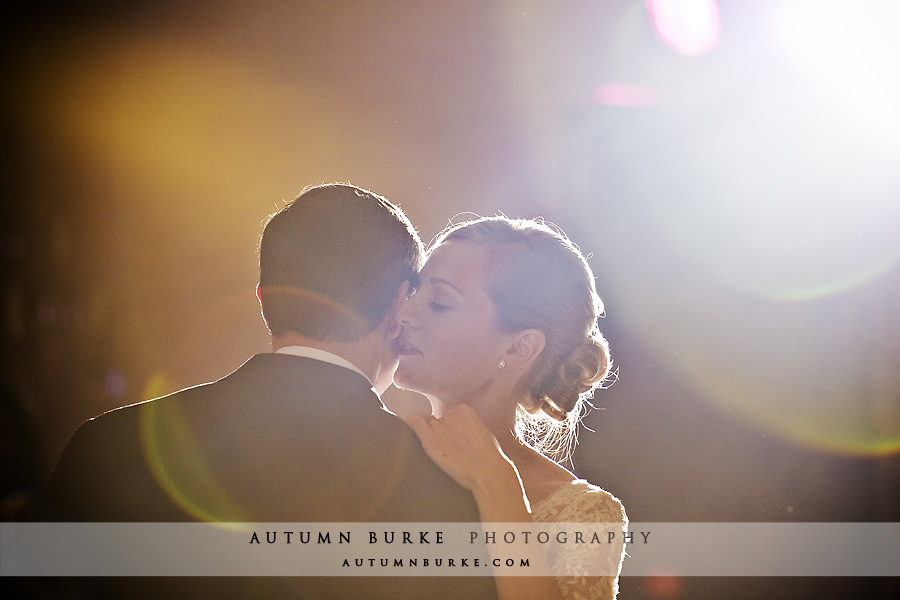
x: 332, y: 260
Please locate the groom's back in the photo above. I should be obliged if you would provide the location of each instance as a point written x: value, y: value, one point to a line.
x: 283, y: 439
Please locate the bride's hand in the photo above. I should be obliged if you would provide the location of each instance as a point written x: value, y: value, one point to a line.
x: 461, y: 445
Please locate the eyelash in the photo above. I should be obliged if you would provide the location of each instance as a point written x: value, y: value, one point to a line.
x: 436, y: 307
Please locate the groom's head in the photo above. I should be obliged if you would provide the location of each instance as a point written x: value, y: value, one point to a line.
x: 332, y: 261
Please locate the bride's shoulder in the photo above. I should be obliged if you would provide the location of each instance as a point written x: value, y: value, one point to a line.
x: 542, y: 477
x: 580, y: 501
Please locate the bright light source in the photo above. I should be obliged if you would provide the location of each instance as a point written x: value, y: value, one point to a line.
x: 850, y: 52
x: 690, y: 27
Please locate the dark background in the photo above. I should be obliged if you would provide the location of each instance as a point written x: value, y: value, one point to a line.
x: 740, y: 210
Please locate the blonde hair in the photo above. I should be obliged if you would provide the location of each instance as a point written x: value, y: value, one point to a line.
x: 540, y: 280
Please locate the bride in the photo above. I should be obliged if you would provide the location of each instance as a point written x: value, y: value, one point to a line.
x: 502, y: 338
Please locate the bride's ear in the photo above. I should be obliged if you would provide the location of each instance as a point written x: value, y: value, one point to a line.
x: 526, y: 347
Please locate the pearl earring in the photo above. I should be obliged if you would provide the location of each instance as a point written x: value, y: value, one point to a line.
x: 502, y: 363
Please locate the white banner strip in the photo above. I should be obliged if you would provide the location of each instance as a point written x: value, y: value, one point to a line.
x: 464, y: 549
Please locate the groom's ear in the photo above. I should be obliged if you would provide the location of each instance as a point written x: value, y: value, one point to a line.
x: 392, y: 327
x: 526, y: 346
x: 262, y: 308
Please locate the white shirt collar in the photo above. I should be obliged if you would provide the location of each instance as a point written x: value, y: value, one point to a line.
x: 318, y: 354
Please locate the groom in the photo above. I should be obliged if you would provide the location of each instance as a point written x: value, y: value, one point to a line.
x: 295, y: 435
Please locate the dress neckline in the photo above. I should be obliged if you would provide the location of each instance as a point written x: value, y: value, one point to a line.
x: 558, y: 491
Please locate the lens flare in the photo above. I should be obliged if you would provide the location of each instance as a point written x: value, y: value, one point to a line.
x: 180, y: 469
x: 690, y: 27
x: 820, y: 373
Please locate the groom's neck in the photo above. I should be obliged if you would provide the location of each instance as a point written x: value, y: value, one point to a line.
x: 359, y: 353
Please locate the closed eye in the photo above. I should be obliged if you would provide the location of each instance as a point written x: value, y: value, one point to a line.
x: 437, y: 307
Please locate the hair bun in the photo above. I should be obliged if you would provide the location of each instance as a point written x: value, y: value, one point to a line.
x: 586, y: 367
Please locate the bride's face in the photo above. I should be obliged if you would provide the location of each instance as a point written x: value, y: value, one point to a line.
x: 450, y: 347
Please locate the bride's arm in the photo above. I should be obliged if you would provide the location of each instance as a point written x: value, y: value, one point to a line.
x: 461, y: 445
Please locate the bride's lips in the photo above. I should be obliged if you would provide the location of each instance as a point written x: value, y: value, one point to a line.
x: 404, y: 348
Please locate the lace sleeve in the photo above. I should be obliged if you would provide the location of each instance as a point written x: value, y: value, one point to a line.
x: 581, y: 502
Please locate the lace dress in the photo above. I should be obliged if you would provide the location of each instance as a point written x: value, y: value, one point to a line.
x: 581, y: 502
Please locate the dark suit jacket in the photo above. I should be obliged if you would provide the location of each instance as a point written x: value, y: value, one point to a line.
x: 282, y: 439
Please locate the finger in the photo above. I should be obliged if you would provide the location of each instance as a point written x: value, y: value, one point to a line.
x: 421, y: 426
x: 464, y: 418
